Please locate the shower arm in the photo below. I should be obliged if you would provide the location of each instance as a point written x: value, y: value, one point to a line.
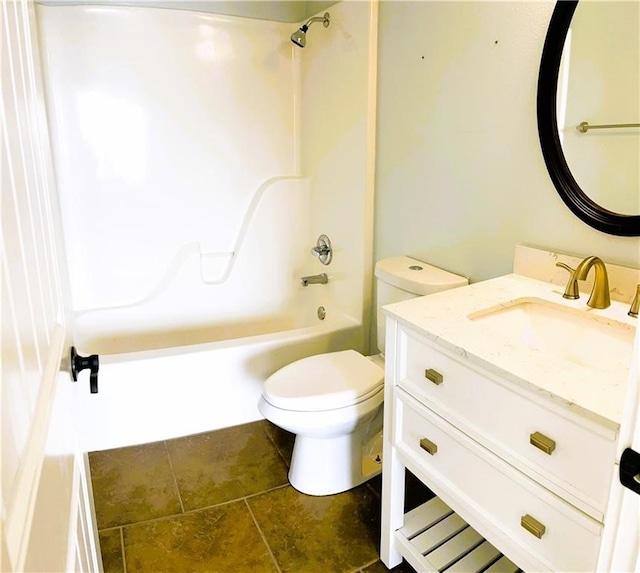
x: 324, y: 19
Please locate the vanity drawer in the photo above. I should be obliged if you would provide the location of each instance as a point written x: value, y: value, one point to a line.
x: 558, y: 535
x: 553, y: 446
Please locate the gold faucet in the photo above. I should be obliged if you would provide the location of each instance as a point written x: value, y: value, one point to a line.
x: 600, y: 294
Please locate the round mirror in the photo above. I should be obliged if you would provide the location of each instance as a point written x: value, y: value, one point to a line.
x: 590, y: 207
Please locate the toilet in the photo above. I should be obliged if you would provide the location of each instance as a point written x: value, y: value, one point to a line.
x: 333, y: 402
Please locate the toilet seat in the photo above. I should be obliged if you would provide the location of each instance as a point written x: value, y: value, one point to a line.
x: 324, y: 382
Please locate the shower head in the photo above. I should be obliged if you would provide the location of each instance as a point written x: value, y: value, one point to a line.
x: 299, y: 37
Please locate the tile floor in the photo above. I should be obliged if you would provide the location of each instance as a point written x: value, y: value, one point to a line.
x: 221, y: 502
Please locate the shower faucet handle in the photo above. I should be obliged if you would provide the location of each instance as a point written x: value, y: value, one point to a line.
x: 323, y: 250
x: 320, y: 251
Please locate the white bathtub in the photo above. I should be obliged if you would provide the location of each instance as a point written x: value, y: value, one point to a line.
x: 152, y: 395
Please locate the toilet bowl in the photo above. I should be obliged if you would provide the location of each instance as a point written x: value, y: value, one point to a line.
x: 333, y: 402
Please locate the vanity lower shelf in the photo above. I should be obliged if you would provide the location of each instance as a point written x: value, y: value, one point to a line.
x: 435, y: 539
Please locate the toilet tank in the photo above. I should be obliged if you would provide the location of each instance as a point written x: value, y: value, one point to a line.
x: 401, y: 278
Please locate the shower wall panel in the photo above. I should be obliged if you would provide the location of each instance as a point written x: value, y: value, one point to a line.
x: 338, y: 110
x: 261, y: 284
x: 173, y: 133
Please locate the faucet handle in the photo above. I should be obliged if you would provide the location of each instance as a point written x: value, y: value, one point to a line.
x: 571, y: 291
x: 566, y: 267
x: 635, y: 305
x: 323, y: 250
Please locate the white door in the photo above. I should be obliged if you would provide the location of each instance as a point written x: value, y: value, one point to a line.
x: 47, y: 519
x: 621, y: 539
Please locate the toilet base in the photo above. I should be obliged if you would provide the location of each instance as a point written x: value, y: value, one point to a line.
x: 326, y: 466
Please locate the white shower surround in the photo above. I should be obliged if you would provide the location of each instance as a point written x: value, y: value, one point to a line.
x: 194, y: 179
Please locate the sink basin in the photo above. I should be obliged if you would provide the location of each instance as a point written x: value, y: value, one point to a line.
x: 561, y: 331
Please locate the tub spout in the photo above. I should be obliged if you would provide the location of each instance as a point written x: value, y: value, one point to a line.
x: 321, y: 279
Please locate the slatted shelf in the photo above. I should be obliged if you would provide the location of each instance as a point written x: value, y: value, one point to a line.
x: 434, y: 539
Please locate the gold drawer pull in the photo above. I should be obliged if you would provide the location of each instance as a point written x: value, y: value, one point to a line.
x: 433, y: 375
x: 428, y: 446
x: 540, y: 441
x: 533, y: 526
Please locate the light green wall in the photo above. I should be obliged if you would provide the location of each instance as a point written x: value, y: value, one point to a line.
x: 460, y: 177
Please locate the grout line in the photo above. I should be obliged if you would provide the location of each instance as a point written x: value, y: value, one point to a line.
x: 251, y: 495
x: 173, y: 474
x: 124, y: 555
x: 373, y: 489
x: 242, y: 498
x: 162, y: 517
x: 287, y: 462
x: 197, y: 509
x: 102, y: 529
x: 264, y: 539
x: 369, y: 564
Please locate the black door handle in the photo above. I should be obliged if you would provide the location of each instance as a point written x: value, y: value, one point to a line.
x: 79, y: 363
x: 630, y: 470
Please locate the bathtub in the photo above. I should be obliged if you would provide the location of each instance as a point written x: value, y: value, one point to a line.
x: 156, y: 394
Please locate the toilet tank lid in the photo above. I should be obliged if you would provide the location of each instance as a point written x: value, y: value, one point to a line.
x: 416, y: 277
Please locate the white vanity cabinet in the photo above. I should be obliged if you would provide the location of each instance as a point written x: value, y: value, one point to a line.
x: 514, y: 471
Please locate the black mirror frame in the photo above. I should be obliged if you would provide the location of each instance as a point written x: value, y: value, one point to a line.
x: 569, y: 190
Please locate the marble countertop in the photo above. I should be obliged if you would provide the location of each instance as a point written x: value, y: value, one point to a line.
x: 596, y: 392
